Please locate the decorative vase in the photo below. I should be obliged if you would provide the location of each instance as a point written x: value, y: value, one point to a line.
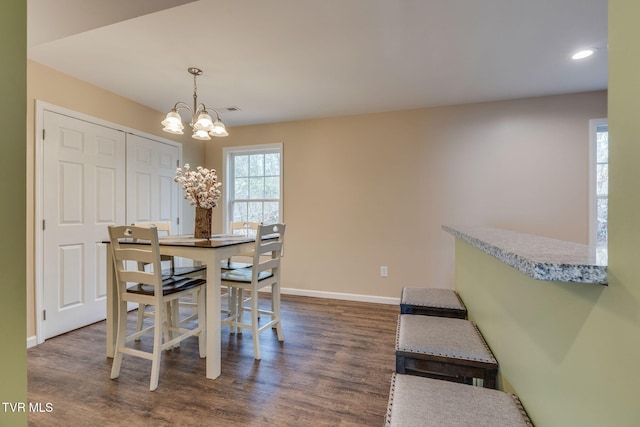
x: 203, y: 223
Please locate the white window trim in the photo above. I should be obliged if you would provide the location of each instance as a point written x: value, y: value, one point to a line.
x: 226, y: 153
x: 593, y: 200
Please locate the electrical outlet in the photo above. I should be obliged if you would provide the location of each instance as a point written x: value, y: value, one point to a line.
x: 384, y: 271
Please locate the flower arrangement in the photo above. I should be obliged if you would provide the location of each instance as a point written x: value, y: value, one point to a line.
x: 201, y: 186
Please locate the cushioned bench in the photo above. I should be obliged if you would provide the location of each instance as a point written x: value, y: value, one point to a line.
x: 417, y: 401
x: 443, y: 348
x: 432, y: 302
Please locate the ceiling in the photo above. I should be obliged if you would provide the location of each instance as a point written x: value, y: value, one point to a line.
x: 281, y: 60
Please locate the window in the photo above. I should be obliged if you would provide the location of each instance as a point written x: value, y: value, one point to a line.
x: 253, y: 183
x: 599, y: 182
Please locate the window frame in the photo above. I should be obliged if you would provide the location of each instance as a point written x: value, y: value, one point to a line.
x: 593, y: 178
x: 227, y: 171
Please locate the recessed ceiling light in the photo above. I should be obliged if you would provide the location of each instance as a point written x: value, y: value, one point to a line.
x: 583, y: 54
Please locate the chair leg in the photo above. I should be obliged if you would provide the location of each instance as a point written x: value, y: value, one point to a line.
x: 254, y: 322
x: 275, y: 308
x: 248, y: 300
x: 157, y: 346
x: 239, y: 307
x: 141, y: 309
x: 121, y: 336
x: 174, y: 307
x: 166, y: 323
x: 233, y: 307
x: 202, y: 322
x: 191, y: 302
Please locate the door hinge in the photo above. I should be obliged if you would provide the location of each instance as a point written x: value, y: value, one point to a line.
x: 44, y: 224
x: 43, y: 133
x: 177, y: 163
x: 44, y: 314
x: 178, y: 221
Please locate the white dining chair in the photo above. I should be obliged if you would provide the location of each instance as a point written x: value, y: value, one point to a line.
x: 241, y: 228
x: 152, y: 289
x: 265, y: 271
x: 164, y: 229
x: 247, y: 229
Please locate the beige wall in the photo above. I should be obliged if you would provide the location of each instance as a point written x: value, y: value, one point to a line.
x: 53, y: 87
x: 371, y: 190
x: 13, y: 82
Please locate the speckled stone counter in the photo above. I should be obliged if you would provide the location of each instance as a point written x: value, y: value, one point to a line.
x: 539, y: 257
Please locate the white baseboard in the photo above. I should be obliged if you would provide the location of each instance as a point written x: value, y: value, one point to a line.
x: 32, y: 341
x: 340, y: 296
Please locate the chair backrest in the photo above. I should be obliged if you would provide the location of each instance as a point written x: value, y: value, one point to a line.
x: 163, y: 227
x: 269, y: 241
x: 128, y: 272
x: 245, y: 228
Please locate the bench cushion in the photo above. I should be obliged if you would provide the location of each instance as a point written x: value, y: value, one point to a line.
x: 419, y: 401
x: 441, y: 336
x: 442, y: 302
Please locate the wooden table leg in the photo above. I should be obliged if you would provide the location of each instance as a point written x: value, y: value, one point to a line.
x: 213, y: 315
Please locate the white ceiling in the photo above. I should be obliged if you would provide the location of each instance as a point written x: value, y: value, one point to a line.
x: 281, y: 60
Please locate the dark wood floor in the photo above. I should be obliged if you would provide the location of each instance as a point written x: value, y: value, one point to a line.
x: 333, y: 369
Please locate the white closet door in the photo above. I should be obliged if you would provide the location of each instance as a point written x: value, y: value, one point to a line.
x: 152, y: 195
x: 83, y: 193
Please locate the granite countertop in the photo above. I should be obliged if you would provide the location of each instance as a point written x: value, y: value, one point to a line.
x: 539, y: 257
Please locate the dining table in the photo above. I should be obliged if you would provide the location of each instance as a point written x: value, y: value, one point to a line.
x: 210, y: 252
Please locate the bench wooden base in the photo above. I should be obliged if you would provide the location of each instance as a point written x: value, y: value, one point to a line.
x: 432, y: 302
x: 444, y: 348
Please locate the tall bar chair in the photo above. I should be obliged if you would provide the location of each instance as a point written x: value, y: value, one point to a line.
x: 152, y: 289
x: 200, y: 271
x: 264, y: 271
x: 241, y: 228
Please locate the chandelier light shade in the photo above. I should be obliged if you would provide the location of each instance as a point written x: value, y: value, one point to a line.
x: 173, y: 123
x: 201, y: 123
x: 218, y: 128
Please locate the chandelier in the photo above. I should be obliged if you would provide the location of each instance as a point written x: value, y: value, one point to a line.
x: 201, y: 121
